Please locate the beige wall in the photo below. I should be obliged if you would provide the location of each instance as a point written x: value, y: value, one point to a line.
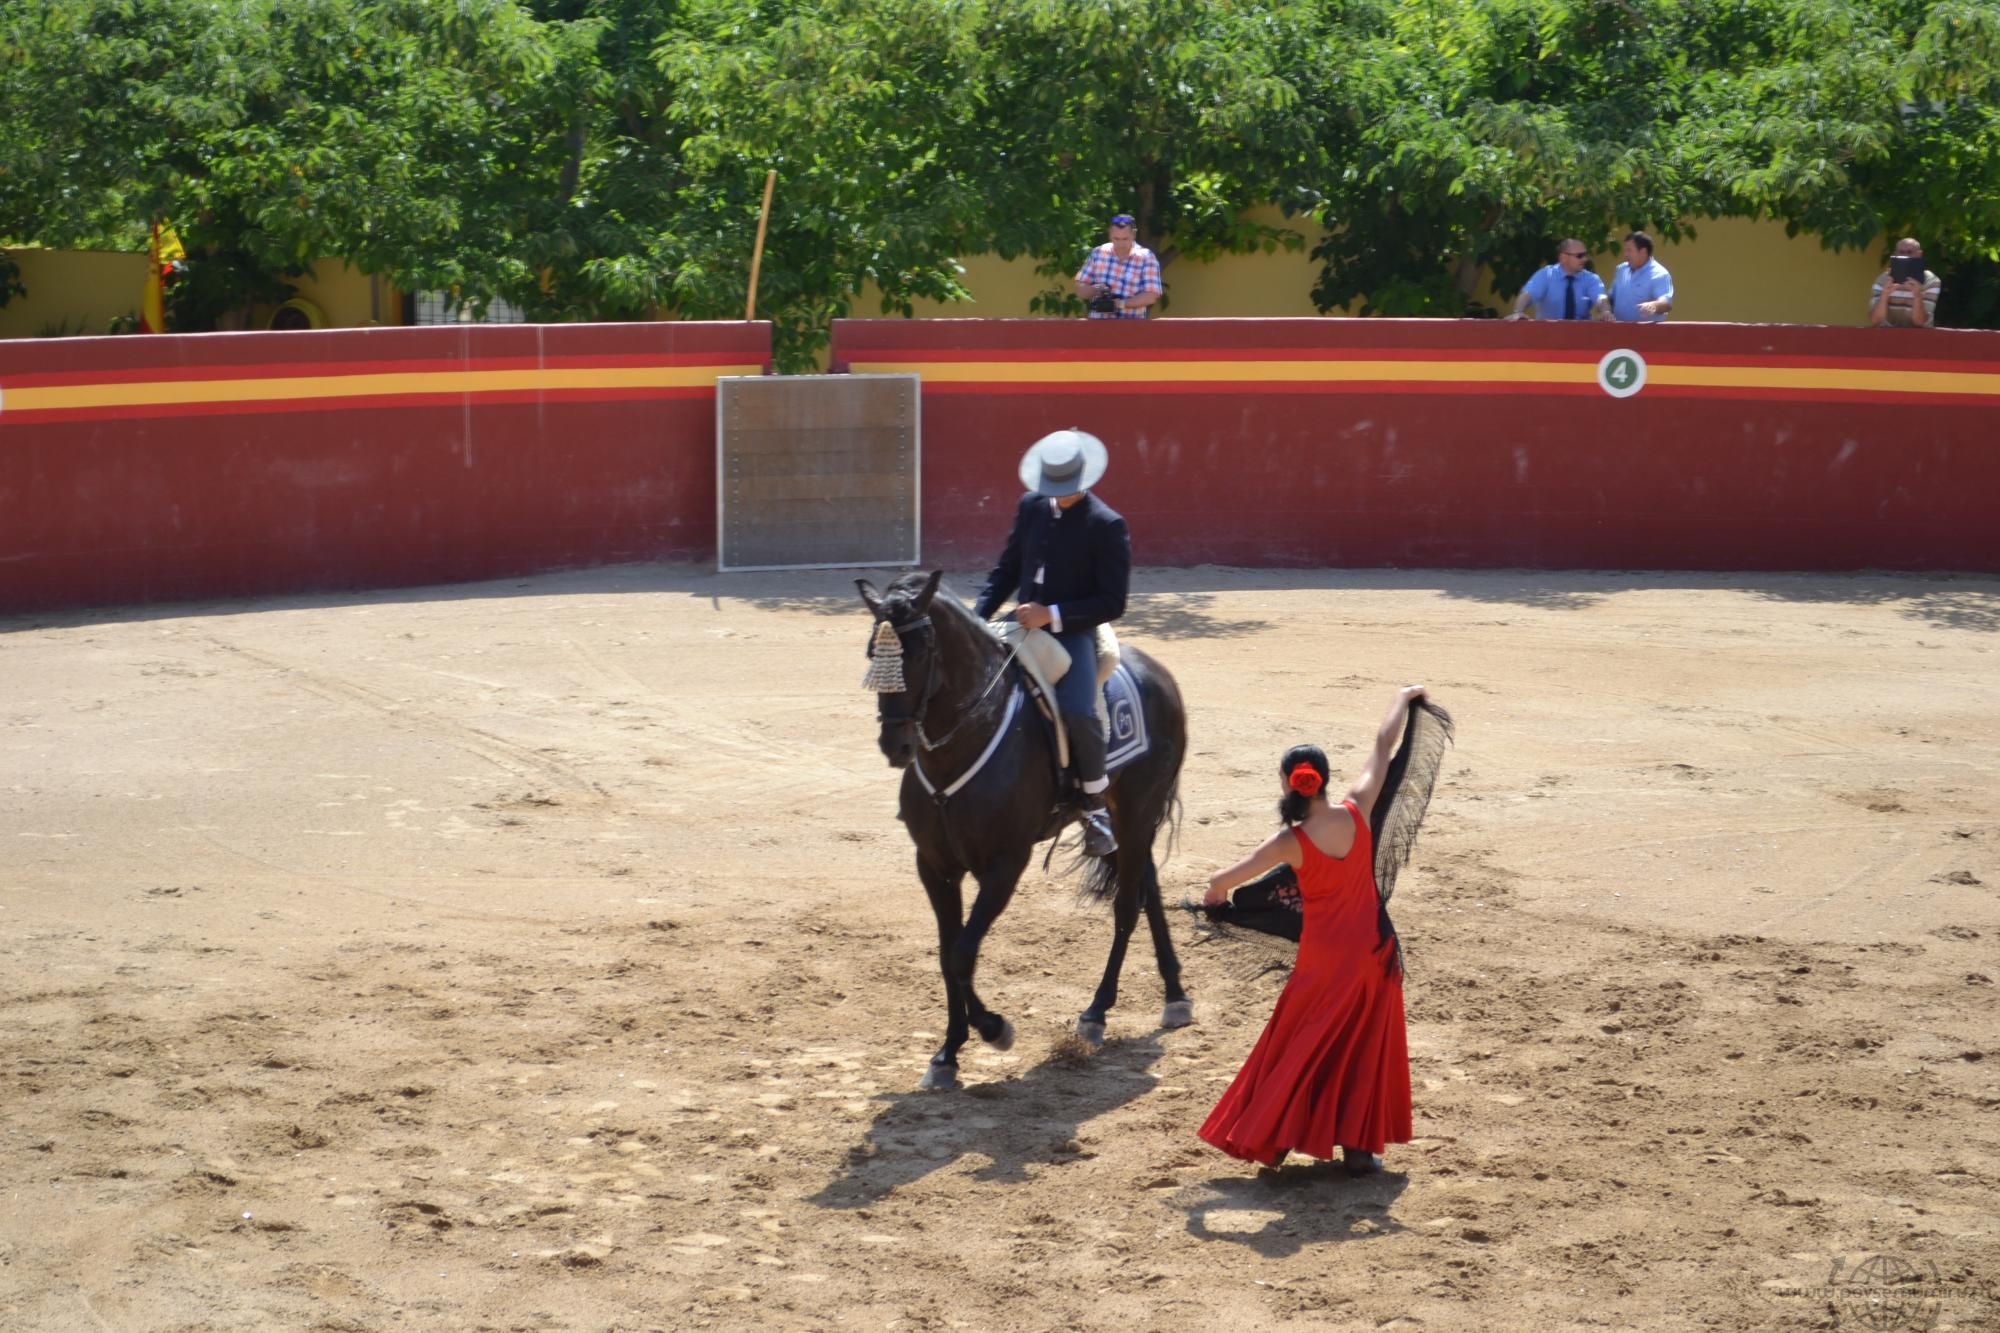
x: 1732, y: 269
x: 1748, y: 272
x: 1261, y: 285
x: 90, y: 288
x: 345, y: 295
x: 85, y: 288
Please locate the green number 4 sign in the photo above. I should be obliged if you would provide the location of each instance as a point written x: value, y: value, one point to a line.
x: 1621, y: 373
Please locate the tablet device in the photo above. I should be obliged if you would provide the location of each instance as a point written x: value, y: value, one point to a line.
x: 1906, y: 268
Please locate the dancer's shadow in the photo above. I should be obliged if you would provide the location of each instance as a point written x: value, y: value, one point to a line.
x: 1030, y: 1119
x: 1279, y: 1213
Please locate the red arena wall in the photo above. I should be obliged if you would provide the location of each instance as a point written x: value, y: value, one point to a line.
x: 1470, y: 443
x: 140, y: 469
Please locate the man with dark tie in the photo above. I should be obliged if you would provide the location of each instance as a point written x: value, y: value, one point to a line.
x: 1563, y: 290
x: 1070, y: 557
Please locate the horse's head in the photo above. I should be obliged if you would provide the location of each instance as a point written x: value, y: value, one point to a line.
x: 903, y: 666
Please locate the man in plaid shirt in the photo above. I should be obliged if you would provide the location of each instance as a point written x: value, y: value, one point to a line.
x: 1121, y: 277
x: 1910, y: 303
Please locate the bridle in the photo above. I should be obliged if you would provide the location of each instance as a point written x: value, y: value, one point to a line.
x: 922, y: 624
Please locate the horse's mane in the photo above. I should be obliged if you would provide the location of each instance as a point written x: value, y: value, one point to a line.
x: 904, y: 589
x: 899, y: 594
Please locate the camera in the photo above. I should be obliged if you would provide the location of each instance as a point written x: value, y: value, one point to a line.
x: 1106, y: 304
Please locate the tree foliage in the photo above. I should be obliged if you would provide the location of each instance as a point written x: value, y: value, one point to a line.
x: 603, y: 159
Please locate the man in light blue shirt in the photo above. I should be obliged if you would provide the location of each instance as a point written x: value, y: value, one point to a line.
x: 1642, y: 291
x: 1563, y: 290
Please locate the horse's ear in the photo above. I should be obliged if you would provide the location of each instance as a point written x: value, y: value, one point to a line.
x: 871, y: 595
x: 923, y: 599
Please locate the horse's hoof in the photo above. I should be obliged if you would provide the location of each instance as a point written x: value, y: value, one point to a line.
x: 940, y: 1078
x: 1177, y: 1014
x: 1002, y: 1040
x: 1090, y: 1029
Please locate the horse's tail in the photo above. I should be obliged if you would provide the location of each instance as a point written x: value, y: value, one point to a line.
x: 1100, y: 876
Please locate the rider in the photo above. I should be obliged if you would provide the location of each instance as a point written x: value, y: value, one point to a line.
x: 1071, y: 559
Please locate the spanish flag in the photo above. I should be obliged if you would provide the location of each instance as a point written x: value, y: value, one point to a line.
x: 153, y: 304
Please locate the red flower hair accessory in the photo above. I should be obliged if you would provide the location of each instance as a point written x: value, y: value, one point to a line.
x: 1305, y: 780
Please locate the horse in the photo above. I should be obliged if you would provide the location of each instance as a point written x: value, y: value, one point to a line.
x: 981, y: 788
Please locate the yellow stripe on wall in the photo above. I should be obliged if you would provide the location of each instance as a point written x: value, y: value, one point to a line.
x: 1260, y: 372
x: 161, y: 393
x: 1923, y: 382
x: 1807, y: 377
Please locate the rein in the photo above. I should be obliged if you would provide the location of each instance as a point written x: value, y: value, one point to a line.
x: 977, y: 700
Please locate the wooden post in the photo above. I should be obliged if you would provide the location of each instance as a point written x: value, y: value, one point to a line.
x: 757, y: 255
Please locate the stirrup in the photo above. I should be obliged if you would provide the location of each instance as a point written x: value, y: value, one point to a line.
x: 1098, y: 839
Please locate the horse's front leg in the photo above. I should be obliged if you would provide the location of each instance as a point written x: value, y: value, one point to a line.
x: 1124, y: 916
x: 996, y: 889
x: 1179, y: 1010
x: 948, y: 906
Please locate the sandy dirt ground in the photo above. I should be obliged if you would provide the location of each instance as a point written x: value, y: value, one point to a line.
x: 545, y: 955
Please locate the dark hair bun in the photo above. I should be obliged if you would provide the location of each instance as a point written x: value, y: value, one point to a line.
x: 1299, y: 768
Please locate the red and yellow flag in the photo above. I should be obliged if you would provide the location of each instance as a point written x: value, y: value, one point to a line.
x: 166, y: 251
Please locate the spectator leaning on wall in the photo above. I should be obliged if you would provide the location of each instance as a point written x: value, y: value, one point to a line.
x: 1121, y: 277
x: 1563, y: 290
x: 1895, y: 298
x: 1642, y: 291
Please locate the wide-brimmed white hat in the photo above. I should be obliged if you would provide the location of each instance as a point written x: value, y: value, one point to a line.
x: 1064, y: 463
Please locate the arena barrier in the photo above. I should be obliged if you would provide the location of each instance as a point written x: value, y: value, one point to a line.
x: 1449, y: 443
x: 142, y: 469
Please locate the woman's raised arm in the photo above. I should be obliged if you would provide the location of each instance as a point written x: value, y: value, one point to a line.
x: 1369, y: 785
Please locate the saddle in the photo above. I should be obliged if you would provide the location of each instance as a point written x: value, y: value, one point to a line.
x: 1045, y: 662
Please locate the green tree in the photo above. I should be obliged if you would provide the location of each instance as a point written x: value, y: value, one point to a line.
x: 1490, y: 128
x: 858, y: 105
x: 270, y: 134
x: 1185, y: 113
x: 603, y: 159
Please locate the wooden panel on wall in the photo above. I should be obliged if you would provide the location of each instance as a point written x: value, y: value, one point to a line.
x: 817, y: 471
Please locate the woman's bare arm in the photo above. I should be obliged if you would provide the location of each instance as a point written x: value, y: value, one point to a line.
x: 1281, y: 848
x: 1368, y: 786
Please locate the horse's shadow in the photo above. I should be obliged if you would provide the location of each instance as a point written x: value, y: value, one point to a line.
x: 1281, y: 1212
x: 1026, y: 1120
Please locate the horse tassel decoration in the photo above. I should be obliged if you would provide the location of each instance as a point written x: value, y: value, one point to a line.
x: 885, y: 662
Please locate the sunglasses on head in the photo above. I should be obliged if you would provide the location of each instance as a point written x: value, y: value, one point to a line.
x: 1123, y: 220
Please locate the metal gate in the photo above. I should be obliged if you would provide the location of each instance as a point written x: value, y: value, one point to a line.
x: 816, y: 471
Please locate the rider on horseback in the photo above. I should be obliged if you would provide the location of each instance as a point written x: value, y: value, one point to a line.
x: 1071, y: 558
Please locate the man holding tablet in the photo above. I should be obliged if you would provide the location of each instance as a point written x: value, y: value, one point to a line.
x: 1907, y: 295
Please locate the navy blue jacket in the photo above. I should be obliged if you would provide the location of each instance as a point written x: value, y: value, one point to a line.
x: 1083, y: 556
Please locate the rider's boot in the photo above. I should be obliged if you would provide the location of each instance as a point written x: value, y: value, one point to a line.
x: 1086, y: 752
x: 1098, y: 839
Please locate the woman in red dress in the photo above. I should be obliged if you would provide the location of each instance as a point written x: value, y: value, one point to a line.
x: 1333, y: 1065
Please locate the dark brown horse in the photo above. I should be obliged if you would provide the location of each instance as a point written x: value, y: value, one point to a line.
x: 981, y: 788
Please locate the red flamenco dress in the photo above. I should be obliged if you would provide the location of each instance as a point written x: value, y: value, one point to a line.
x: 1333, y: 1066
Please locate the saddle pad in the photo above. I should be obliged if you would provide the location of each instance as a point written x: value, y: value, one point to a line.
x: 1126, y: 738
